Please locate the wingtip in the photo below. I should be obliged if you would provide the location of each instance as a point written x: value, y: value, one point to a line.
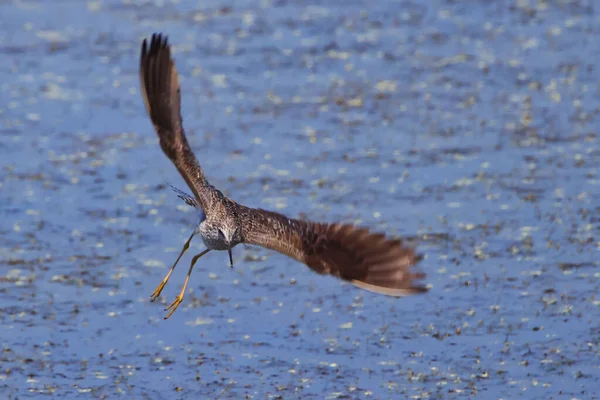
x: 160, y: 38
x: 158, y: 41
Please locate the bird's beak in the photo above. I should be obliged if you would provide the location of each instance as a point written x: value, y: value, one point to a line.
x: 230, y: 257
x: 229, y: 249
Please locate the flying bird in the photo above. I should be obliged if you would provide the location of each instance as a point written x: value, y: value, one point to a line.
x: 354, y: 254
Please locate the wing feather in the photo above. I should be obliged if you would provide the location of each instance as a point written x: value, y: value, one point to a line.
x: 368, y: 260
x: 160, y: 89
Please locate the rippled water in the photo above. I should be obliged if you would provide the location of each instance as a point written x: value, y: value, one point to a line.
x: 471, y: 128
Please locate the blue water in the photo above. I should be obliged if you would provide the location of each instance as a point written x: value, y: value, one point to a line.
x: 471, y: 128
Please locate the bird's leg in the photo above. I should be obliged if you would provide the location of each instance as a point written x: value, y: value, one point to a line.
x: 179, y: 298
x: 161, y: 286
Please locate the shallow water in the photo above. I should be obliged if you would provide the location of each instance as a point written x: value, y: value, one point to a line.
x: 468, y: 127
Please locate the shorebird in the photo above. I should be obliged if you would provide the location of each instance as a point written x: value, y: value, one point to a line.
x: 368, y: 260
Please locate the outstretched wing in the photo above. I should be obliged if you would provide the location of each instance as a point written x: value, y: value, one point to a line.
x: 368, y: 260
x: 159, y: 83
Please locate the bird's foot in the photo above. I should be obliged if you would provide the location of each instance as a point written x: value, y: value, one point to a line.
x: 174, y: 305
x: 158, y: 290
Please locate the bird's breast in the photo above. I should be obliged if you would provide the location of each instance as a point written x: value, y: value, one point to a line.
x: 215, y: 243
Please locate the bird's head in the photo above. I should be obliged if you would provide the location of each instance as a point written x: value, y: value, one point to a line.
x: 229, y: 232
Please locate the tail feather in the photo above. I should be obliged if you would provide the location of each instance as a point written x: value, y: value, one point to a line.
x: 189, y: 199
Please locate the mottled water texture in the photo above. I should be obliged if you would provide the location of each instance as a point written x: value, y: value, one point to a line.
x: 471, y: 128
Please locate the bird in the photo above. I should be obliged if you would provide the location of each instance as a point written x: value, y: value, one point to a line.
x: 369, y: 260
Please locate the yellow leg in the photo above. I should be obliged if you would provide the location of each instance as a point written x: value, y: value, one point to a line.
x: 179, y: 298
x: 166, y: 278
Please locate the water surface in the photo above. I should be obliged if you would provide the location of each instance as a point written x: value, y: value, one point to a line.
x: 470, y: 128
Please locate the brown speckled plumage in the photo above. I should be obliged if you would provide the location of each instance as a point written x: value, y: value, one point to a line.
x: 368, y: 260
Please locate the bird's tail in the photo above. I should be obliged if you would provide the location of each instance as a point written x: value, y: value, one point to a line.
x: 189, y: 199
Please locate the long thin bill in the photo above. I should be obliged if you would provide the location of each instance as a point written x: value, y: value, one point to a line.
x: 230, y: 258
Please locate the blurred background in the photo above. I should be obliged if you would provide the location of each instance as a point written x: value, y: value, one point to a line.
x: 469, y: 128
